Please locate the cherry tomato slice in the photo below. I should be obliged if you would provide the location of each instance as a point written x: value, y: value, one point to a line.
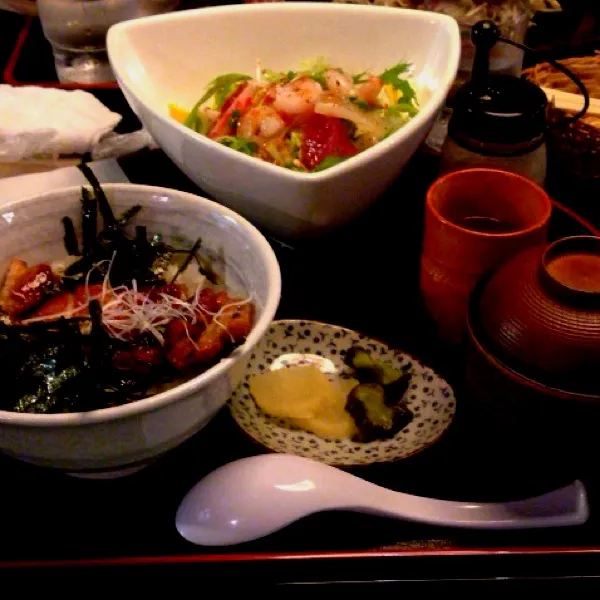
x: 323, y: 137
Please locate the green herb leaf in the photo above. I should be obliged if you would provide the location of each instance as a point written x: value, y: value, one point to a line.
x: 294, y: 167
x: 328, y: 162
x: 220, y: 88
x: 360, y: 103
x: 408, y: 93
x: 239, y: 144
x: 392, y: 74
x: 225, y: 84
x: 402, y: 107
x: 392, y: 77
x: 318, y: 77
x: 359, y: 78
x: 202, y: 123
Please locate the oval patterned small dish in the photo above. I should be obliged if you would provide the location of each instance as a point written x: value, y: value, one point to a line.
x: 291, y: 342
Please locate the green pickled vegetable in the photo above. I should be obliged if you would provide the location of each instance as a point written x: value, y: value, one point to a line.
x: 377, y: 403
x: 372, y: 398
x: 377, y: 414
x: 370, y: 369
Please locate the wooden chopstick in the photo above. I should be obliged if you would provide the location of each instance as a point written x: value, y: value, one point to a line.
x: 26, y: 167
x: 572, y: 102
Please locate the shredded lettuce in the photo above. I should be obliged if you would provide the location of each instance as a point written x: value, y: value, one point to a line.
x: 274, y: 153
x: 296, y: 143
x: 360, y: 78
x: 396, y: 116
x: 277, y: 77
x: 202, y: 124
x: 402, y: 108
x: 239, y: 144
x: 294, y: 167
x: 328, y: 162
x: 315, y: 69
x: 367, y: 123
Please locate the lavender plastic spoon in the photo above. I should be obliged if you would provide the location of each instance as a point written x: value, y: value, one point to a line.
x: 253, y: 497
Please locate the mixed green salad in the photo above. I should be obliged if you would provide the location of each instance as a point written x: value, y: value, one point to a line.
x: 305, y: 120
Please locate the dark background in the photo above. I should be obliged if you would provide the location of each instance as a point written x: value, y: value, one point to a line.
x: 123, y: 524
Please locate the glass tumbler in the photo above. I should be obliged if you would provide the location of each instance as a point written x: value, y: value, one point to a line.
x: 76, y: 30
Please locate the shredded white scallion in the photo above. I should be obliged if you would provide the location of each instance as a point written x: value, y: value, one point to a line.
x: 127, y: 310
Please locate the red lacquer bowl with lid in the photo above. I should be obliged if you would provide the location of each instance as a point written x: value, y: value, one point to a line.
x: 533, y: 357
x: 540, y: 313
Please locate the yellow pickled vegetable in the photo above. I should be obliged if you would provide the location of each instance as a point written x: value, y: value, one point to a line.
x: 332, y: 420
x: 305, y: 396
x: 294, y: 392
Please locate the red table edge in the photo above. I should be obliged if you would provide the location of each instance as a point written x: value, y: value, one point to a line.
x: 256, y: 557
x: 9, y: 75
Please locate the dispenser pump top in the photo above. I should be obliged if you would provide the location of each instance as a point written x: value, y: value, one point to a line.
x: 492, y: 108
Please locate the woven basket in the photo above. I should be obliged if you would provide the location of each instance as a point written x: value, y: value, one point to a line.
x: 574, y: 148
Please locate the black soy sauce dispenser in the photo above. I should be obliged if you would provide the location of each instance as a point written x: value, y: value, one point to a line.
x: 499, y: 121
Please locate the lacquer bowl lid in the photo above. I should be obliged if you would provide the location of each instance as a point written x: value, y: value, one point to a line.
x: 540, y: 313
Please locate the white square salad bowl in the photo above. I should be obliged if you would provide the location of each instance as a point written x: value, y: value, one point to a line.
x: 117, y: 440
x: 171, y: 58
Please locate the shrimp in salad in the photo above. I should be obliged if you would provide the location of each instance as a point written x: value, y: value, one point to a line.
x: 305, y: 120
x: 297, y: 97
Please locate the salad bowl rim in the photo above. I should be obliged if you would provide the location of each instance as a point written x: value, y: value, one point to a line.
x: 433, y: 104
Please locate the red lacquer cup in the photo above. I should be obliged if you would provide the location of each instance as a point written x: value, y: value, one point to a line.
x: 475, y: 220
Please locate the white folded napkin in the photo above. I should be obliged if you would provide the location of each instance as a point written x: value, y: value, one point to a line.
x: 37, y: 121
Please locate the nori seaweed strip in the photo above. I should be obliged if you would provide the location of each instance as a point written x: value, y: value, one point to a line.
x: 89, y: 222
x: 141, y: 234
x: 205, y: 268
x: 129, y: 214
x: 143, y: 255
x: 188, y: 259
x: 105, y: 209
x: 89, y: 234
x: 99, y: 340
x: 70, y: 238
x: 44, y: 370
x: 74, y: 273
x: 95, y: 309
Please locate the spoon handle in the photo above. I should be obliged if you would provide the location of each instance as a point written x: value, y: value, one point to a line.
x: 563, y: 507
